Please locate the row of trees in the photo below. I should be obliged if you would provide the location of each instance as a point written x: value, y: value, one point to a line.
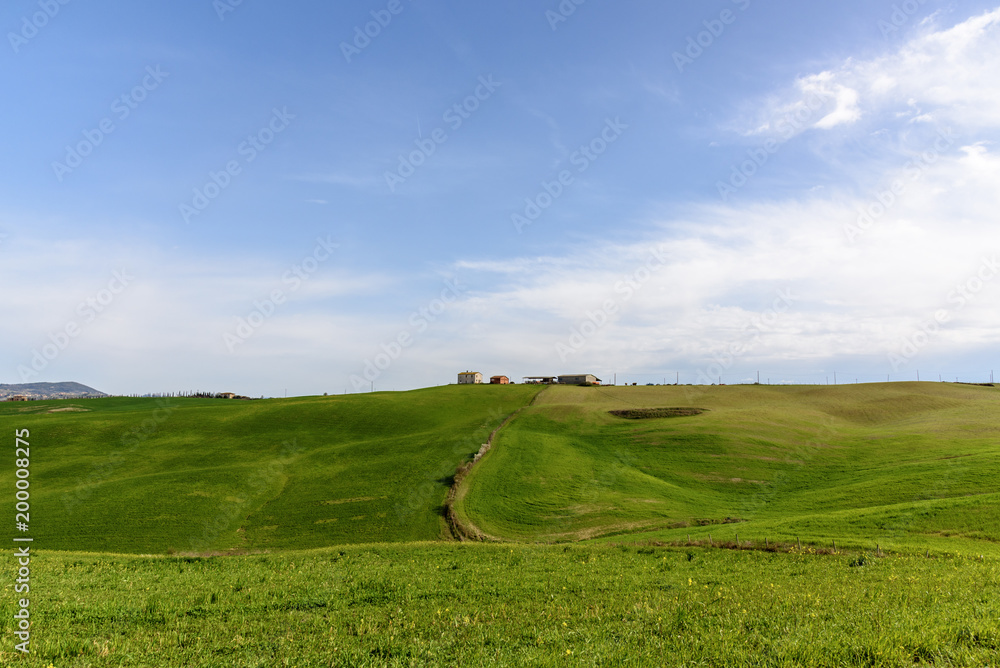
x: 185, y: 395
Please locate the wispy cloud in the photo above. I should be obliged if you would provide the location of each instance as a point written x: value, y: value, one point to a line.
x: 351, y: 180
x: 943, y: 72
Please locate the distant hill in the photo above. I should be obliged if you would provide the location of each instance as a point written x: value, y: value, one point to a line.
x: 49, y: 391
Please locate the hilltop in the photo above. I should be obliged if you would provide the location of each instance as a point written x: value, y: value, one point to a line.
x: 66, y: 390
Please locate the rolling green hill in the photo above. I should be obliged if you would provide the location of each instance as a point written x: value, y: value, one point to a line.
x: 910, y: 466
x: 197, y: 475
x: 907, y: 465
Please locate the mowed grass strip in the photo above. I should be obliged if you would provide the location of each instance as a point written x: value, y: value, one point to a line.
x: 198, y: 476
x: 901, y: 465
x: 511, y: 605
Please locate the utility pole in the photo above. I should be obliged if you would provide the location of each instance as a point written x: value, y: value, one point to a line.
x: 834, y: 377
x: 918, y: 375
x: 678, y: 378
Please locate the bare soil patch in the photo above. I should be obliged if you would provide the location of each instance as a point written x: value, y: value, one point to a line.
x: 653, y: 413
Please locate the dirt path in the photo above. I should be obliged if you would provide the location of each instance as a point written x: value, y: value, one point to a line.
x: 466, y: 530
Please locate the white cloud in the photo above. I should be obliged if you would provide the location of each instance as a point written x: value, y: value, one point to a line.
x: 723, y: 268
x: 948, y: 73
x: 726, y: 267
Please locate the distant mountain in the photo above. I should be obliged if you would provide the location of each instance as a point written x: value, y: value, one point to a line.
x: 49, y: 391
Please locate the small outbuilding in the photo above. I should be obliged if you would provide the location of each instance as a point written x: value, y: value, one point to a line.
x: 470, y: 378
x: 539, y: 380
x: 18, y: 397
x: 499, y: 380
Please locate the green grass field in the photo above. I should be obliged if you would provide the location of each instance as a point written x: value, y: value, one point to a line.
x: 198, y: 476
x: 512, y: 605
x: 907, y: 466
x: 311, y: 531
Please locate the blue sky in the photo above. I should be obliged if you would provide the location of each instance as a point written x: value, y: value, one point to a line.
x: 635, y: 189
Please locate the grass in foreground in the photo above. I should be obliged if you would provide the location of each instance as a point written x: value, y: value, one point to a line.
x: 511, y: 605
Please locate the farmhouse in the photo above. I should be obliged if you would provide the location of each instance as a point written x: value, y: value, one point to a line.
x: 470, y: 378
x: 18, y: 397
x: 499, y: 380
x: 227, y: 395
x: 580, y: 379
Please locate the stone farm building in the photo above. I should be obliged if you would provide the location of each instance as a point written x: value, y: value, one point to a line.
x: 499, y: 380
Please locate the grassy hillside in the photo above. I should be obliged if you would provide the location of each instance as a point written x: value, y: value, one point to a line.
x: 511, y: 605
x: 192, y: 475
x: 909, y: 465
